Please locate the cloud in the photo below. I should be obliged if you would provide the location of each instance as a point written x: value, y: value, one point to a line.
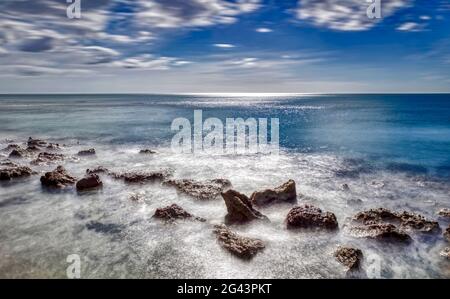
x: 150, y: 62
x: 263, y: 30
x: 411, y: 26
x: 344, y: 15
x: 224, y: 46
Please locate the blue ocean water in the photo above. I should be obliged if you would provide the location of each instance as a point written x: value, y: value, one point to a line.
x: 401, y: 132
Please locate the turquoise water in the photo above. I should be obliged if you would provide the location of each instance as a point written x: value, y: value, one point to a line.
x: 392, y: 150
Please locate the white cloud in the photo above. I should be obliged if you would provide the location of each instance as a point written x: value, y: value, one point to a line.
x: 344, y: 15
x: 411, y: 26
x: 224, y: 46
x: 263, y: 30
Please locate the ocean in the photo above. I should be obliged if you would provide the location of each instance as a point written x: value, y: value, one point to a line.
x: 392, y: 150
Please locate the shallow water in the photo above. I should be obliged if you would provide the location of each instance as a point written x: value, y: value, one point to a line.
x: 392, y: 150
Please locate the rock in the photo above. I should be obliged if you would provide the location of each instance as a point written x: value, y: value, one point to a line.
x: 47, y: 158
x: 309, y: 216
x: 18, y: 153
x: 36, y: 142
x: 147, y: 151
x: 8, y: 163
x: 53, y: 146
x: 345, y: 187
x: 141, y: 177
x: 89, y: 152
x: 381, y: 232
x: 99, y: 169
x: 174, y: 212
x: 91, y: 181
x: 284, y: 193
x: 445, y: 253
x: 14, y: 172
x: 405, y: 219
x: 240, y: 209
x: 59, y: 178
x: 349, y: 257
x: 447, y: 233
x: 11, y: 147
x: 444, y: 213
x: 202, y: 190
x: 33, y: 148
x: 242, y: 247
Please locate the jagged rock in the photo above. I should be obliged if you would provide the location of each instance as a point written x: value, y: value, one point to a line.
x: 141, y: 177
x: 33, y: 148
x: 174, y: 212
x: 147, y: 151
x: 444, y: 213
x: 380, y: 231
x: 88, y: 152
x: 53, y: 146
x: 91, y: 181
x: 99, y: 169
x: 10, y: 173
x: 349, y: 257
x: 11, y: 147
x: 405, y: 219
x: 8, y: 163
x: 240, y: 209
x: 36, y: 142
x: 18, y: 153
x: 309, y: 216
x: 242, y: 247
x: 200, y: 189
x: 284, y: 193
x: 59, y: 178
x: 447, y: 233
x: 445, y: 253
x: 47, y: 158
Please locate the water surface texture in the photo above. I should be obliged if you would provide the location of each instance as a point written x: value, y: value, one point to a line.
x: 393, y: 151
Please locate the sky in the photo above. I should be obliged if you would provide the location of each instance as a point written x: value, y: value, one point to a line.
x: 224, y: 46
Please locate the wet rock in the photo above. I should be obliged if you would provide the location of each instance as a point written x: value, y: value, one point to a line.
x: 308, y: 216
x: 36, y: 142
x: 349, y: 257
x: 141, y: 177
x: 202, y: 190
x: 444, y: 213
x: 405, y: 219
x: 242, y: 247
x: 59, y: 178
x: 91, y: 181
x: 14, y: 172
x: 8, y: 163
x: 147, y: 151
x: 47, y: 158
x: 345, y: 187
x: 284, y: 193
x: 445, y: 253
x: 89, y: 152
x: 53, y: 146
x: 11, y: 147
x: 33, y: 148
x: 109, y: 228
x: 174, y: 212
x: 240, y: 209
x: 18, y: 153
x: 447, y: 233
x: 381, y: 232
x: 99, y: 169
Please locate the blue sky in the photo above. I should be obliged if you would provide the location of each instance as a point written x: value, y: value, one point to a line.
x: 164, y: 46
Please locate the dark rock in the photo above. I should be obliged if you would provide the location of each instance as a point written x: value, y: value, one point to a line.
x: 240, y: 209
x: 444, y: 213
x: 99, y: 169
x: 10, y: 173
x: 91, y: 181
x: 381, y: 232
x: 89, y: 152
x: 147, y: 151
x: 202, y: 190
x: 59, y: 178
x: 47, y: 158
x: 33, y: 148
x: 18, y: 153
x: 308, y: 216
x: 110, y: 228
x: 284, y: 193
x: 36, y: 142
x: 141, y: 177
x: 447, y: 233
x: 174, y: 212
x: 8, y: 163
x: 11, y: 147
x: 242, y: 247
x: 345, y: 187
x: 349, y: 257
x: 445, y: 253
x: 417, y: 222
x: 53, y: 146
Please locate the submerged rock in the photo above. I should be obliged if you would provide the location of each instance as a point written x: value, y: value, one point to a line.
x: 445, y: 253
x: 91, y: 181
x: 381, y: 232
x: 349, y: 257
x: 202, y: 190
x: 240, y: 209
x: 242, y: 247
x: 284, y: 193
x: 444, y: 213
x: 345, y: 187
x: 99, y: 169
x: 308, y: 216
x: 14, y: 172
x: 59, y: 178
x: 147, y: 151
x: 447, y: 233
x: 47, y: 158
x: 108, y: 228
x: 89, y: 152
x: 141, y: 177
x: 174, y: 212
x: 36, y: 142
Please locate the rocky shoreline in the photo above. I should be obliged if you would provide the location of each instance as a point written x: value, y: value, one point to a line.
x: 381, y: 224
